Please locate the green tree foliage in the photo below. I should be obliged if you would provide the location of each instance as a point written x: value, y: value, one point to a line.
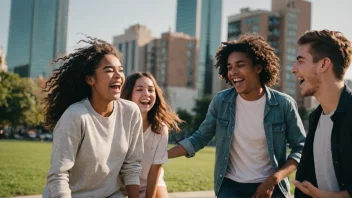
x: 200, y: 109
x: 19, y: 101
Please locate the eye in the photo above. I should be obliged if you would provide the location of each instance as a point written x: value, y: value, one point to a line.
x: 109, y: 70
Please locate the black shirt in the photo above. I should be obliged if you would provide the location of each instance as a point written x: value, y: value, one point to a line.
x: 341, y: 145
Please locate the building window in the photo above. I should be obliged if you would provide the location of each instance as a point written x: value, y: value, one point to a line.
x: 164, y: 43
x: 120, y: 47
x: 133, y: 43
x: 126, y: 57
x: 252, y: 21
x: 255, y: 28
x: 190, y: 45
x: 234, y: 28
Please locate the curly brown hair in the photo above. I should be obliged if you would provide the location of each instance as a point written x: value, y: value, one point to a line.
x: 67, y: 85
x: 161, y: 113
x: 331, y: 44
x: 257, y: 49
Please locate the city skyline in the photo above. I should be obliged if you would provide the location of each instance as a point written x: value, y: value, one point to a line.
x: 37, y: 35
x: 110, y: 17
x: 202, y: 19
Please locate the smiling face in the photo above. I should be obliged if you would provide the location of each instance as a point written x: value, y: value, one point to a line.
x: 107, y: 80
x: 144, y: 94
x: 306, y: 71
x: 243, y: 75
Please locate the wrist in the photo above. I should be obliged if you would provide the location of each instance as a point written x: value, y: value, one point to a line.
x: 275, y: 178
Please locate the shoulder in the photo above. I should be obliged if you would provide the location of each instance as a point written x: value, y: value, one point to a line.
x: 127, y: 107
x: 282, y: 98
x: 75, y: 111
x: 163, y: 130
x: 224, y: 93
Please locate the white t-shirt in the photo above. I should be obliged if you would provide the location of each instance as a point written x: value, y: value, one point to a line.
x: 324, y: 169
x: 249, y: 155
x: 155, y: 152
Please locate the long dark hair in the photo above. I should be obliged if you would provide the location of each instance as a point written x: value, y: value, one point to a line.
x: 161, y: 113
x: 67, y: 85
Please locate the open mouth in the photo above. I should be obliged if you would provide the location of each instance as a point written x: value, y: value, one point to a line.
x: 145, y: 102
x: 237, y: 80
x: 301, y: 81
x: 115, y: 86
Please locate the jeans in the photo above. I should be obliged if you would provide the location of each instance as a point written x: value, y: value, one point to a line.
x: 232, y: 189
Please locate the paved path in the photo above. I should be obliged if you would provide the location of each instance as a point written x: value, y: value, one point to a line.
x: 198, y: 194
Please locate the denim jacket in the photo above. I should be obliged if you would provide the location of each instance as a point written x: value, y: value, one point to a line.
x: 282, y: 125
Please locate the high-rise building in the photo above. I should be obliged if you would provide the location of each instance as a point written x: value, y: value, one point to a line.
x: 202, y: 19
x: 38, y: 34
x: 281, y: 27
x: 172, y: 60
x: 131, y: 45
x: 3, y: 65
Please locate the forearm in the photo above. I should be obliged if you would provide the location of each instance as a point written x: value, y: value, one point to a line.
x: 132, y: 191
x: 340, y: 194
x: 152, y: 180
x: 176, y: 151
x: 286, y: 170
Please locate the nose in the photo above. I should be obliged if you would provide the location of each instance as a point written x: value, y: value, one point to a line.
x: 118, y: 74
x: 145, y: 92
x: 233, y: 70
x: 294, y: 69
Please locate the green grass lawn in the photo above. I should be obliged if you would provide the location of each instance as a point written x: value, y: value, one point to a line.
x: 23, y: 166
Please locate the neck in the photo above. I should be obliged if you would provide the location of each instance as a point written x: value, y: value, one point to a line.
x: 145, y: 121
x: 328, y: 95
x: 253, y: 95
x: 101, y: 107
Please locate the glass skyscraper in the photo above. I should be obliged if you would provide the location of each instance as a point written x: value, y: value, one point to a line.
x: 202, y: 19
x: 38, y: 34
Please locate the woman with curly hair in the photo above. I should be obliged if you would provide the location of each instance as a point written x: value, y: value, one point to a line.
x: 158, y: 118
x: 251, y: 123
x: 97, y: 135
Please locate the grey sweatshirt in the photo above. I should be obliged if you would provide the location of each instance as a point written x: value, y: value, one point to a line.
x: 91, y: 151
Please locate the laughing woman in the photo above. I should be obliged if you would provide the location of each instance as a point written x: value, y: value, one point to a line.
x: 97, y: 135
x: 158, y: 117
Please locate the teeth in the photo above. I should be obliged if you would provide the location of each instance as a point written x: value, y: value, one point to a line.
x: 237, y: 79
x: 144, y: 101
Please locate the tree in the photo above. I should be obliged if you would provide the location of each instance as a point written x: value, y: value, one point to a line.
x: 200, y: 109
x: 19, y: 101
x: 303, y: 113
x: 186, y: 126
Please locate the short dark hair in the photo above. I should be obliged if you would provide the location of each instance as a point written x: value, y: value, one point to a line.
x: 331, y: 44
x: 258, y: 50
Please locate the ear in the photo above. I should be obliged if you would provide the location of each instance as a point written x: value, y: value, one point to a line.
x: 258, y: 68
x: 90, y: 80
x: 325, y: 64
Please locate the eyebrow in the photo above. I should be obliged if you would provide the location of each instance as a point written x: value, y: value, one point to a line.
x: 110, y: 67
x: 142, y: 86
x: 238, y: 62
x: 300, y: 57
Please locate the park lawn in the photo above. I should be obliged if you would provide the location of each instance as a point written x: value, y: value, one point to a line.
x: 24, y: 165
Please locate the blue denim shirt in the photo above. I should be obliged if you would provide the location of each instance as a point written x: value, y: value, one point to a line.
x: 282, y: 125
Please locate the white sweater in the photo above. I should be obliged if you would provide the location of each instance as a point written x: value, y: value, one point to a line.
x: 91, y: 151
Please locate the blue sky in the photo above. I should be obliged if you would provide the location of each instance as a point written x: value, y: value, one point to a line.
x: 106, y: 18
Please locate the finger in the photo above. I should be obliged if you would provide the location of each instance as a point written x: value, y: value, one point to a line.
x: 311, y: 188
x: 300, y: 186
x: 254, y: 195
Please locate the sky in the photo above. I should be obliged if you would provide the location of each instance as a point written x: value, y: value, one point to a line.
x: 106, y: 18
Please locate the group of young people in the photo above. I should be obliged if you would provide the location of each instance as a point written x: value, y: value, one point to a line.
x: 111, y: 133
